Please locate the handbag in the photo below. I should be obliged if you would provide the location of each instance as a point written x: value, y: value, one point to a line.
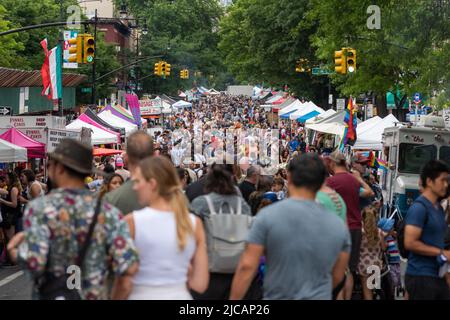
x: 51, y: 287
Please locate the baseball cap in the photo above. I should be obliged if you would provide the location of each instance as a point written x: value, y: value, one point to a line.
x: 337, y: 156
x: 119, y: 162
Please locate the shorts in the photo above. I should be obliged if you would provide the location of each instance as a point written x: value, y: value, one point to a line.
x: 395, y: 274
x: 356, y: 236
x: 427, y: 288
x: 9, y: 220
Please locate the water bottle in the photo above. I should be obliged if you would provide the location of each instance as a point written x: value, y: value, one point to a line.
x: 443, y: 265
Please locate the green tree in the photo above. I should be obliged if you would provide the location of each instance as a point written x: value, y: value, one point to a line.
x: 261, y: 41
x: 185, y: 33
x: 10, y: 45
x: 409, y: 52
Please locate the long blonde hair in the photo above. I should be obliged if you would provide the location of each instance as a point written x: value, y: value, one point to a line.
x: 369, y: 217
x: 169, y: 188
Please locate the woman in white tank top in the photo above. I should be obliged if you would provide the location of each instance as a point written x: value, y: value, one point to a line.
x: 171, y: 241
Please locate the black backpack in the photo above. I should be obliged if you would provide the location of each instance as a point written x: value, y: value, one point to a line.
x: 401, y: 234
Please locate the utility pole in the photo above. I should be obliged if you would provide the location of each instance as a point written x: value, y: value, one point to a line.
x: 61, y: 48
x: 94, y: 63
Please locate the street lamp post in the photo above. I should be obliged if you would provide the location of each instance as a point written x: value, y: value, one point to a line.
x: 61, y: 48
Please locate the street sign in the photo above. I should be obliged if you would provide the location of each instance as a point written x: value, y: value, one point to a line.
x: 319, y: 71
x: 417, y: 98
x: 86, y: 90
x: 340, y: 104
x: 5, y: 111
x: 446, y: 115
x: 330, y: 99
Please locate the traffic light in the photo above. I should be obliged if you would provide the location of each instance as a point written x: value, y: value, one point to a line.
x: 340, y: 62
x: 182, y: 74
x: 301, y: 65
x: 89, y: 48
x: 157, y: 69
x: 76, y: 49
x: 351, y: 59
x: 186, y: 74
x: 168, y: 68
x: 163, y: 68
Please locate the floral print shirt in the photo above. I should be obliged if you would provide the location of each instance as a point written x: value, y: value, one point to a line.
x: 55, y: 228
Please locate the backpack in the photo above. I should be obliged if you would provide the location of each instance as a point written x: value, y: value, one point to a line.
x: 401, y: 235
x: 226, y: 233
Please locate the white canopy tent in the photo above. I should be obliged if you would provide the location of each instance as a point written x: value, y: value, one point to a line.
x: 108, y: 117
x: 99, y: 136
x: 331, y: 128
x: 213, y: 92
x: 306, y: 108
x: 276, y: 97
x: 294, y: 106
x: 324, y: 115
x: 11, y: 153
x: 367, y: 125
x: 182, y: 104
x: 371, y: 139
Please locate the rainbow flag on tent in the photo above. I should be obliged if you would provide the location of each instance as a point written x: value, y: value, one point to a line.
x: 351, y: 122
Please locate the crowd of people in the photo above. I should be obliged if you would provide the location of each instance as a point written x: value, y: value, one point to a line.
x: 149, y: 224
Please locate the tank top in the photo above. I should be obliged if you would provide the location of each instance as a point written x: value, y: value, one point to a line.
x: 29, y: 190
x: 161, y: 262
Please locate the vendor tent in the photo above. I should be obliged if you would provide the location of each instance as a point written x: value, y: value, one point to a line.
x: 100, y: 152
x: 35, y: 149
x: 95, y: 117
x: 306, y: 108
x: 331, y: 128
x: 367, y: 125
x: 287, y: 102
x: 371, y: 139
x: 120, y: 112
x: 338, y: 117
x: 11, y: 153
x: 213, y: 92
x: 308, y: 116
x: 182, y: 104
x: 319, y: 117
x: 110, y: 118
x: 99, y: 136
x: 276, y: 97
x: 294, y: 106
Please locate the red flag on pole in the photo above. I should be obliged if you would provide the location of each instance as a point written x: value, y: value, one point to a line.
x: 45, y: 72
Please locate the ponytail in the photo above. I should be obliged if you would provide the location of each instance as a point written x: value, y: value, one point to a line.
x: 179, y: 206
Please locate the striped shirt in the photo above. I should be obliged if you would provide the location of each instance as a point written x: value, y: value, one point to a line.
x: 392, y: 250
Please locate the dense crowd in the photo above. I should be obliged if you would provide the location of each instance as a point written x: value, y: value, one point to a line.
x: 155, y: 224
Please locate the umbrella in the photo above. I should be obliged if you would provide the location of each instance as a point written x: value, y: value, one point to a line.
x: 99, y: 152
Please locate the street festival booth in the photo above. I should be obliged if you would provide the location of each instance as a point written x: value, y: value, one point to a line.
x: 99, y: 135
x: 333, y: 125
x: 10, y: 153
x: 319, y: 117
x: 307, y: 111
x: 182, y: 105
x: 100, y: 152
x: 111, y: 126
x: 117, y: 122
x: 287, y: 111
x: 371, y: 138
x: 214, y: 92
x: 35, y: 149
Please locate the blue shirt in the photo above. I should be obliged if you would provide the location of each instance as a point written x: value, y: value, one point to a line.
x: 293, y: 145
x: 431, y: 220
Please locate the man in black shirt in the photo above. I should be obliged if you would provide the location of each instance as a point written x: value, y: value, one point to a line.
x: 249, y: 184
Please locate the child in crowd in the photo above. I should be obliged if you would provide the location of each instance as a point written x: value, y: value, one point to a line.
x: 278, y: 188
x: 393, y: 254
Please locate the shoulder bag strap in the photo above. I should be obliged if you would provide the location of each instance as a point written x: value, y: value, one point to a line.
x: 210, y: 205
x: 239, y: 206
x: 84, y: 248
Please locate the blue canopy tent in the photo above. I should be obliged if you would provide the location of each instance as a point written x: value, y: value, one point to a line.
x: 286, y: 115
x: 308, y: 116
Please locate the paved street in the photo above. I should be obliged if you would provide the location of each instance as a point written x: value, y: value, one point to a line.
x: 14, y: 284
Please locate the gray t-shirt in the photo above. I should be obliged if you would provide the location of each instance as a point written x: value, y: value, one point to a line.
x: 302, y: 241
